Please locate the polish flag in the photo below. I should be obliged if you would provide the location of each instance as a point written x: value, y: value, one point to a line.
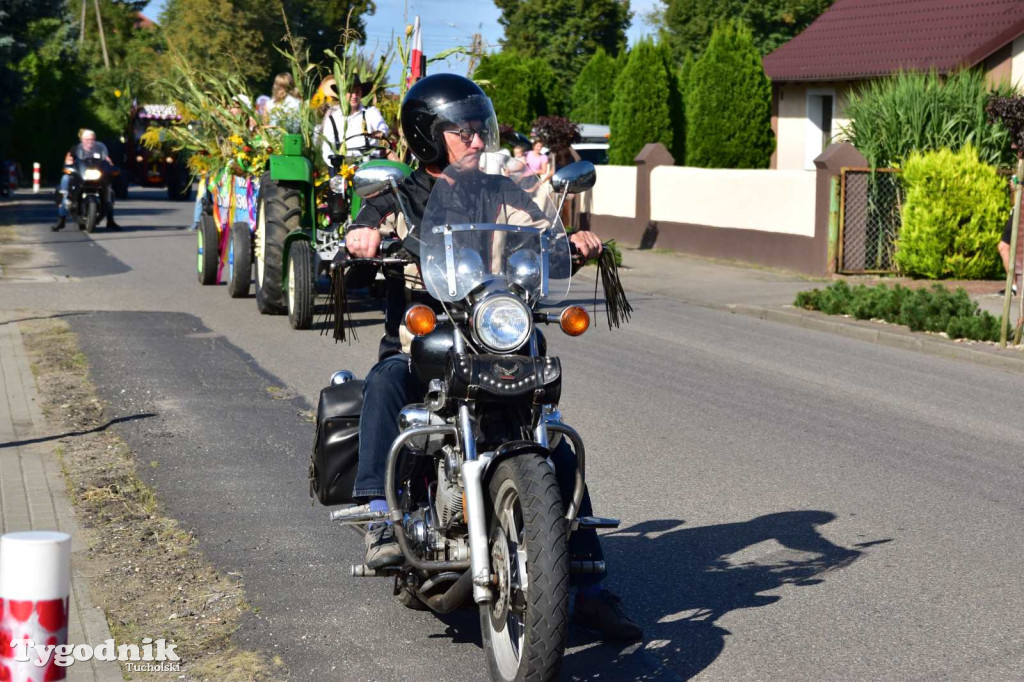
x: 417, y: 62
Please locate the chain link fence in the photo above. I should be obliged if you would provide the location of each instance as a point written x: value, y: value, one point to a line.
x: 869, y: 220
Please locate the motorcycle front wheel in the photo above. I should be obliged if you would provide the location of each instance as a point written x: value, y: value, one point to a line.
x: 91, y: 216
x: 524, y: 627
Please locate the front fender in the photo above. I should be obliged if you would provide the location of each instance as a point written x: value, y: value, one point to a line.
x: 513, y: 448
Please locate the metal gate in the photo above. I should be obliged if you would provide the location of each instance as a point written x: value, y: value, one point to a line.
x: 870, y: 206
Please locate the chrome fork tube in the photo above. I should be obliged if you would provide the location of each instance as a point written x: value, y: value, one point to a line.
x: 479, y: 556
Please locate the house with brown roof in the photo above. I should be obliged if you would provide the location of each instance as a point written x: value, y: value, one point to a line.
x: 855, y: 41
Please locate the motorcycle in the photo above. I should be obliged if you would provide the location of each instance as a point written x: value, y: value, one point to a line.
x: 89, y: 191
x: 475, y: 505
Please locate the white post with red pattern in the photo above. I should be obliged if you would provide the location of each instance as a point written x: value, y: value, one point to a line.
x: 35, y: 177
x: 35, y: 581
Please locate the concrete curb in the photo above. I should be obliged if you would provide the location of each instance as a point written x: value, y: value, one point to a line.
x: 872, y: 332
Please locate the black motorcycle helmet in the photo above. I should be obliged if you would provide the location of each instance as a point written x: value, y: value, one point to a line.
x: 445, y: 101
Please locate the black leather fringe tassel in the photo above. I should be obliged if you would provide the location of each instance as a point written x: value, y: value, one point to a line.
x: 337, y: 315
x: 615, y: 303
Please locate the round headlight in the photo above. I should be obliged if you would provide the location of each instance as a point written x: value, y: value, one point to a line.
x: 337, y: 184
x: 502, y: 323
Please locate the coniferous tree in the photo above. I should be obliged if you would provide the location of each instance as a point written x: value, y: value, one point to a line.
x: 728, y: 104
x: 676, y: 105
x: 563, y: 33
x: 640, y: 111
x: 594, y: 89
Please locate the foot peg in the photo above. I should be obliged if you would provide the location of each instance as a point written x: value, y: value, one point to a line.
x: 597, y: 522
x: 360, y: 514
x: 577, y: 567
x: 364, y: 571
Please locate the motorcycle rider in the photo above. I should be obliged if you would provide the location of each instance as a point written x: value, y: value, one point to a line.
x: 445, y: 120
x: 85, y: 149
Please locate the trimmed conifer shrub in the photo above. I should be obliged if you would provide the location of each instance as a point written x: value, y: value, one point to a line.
x: 953, y: 216
x: 594, y: 89
x: 729, y: 104
x: 640, y: 110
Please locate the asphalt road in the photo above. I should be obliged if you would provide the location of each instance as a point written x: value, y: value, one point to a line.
x: 795, y: 505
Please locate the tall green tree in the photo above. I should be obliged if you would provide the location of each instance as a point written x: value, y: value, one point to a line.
x: 676, y: 103
x: 594, y: 88
x: 53, y: 102
x: 728, y: 104
x: 686, y: 25
x: 564, y: 33
x: 17, y: 39
x: 640, y: 110
x: 218, y: 34
x: 517, y: 87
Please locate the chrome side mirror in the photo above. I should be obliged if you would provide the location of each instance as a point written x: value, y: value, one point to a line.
x: 575, y: 178
x: 369, y: 182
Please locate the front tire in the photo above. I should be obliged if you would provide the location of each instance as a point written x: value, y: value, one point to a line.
x: 239, y: 261
x: 301, y: 287
x: 280, y: 212
x: 92, y: 211
x: 207, y: 240
x: 524, y: 628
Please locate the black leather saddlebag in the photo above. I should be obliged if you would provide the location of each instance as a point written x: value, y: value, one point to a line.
x: 332, y: 469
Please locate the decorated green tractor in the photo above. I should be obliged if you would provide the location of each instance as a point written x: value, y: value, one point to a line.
x: 224, y: 240
x: 297, y: 235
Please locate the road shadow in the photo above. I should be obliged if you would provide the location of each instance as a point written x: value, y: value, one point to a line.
x: 72, y: 434
x: 678, y: 582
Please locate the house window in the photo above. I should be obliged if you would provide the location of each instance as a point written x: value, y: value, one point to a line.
x: 820, y: 112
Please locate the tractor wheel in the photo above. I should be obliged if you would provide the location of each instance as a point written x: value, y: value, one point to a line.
x: 207, y: 240
x: 279, y: 212
x: 239, y: 260
x: 301, y: 287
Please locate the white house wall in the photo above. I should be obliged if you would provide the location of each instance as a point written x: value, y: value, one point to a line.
x: 614, y: 194
x: 762, y: 200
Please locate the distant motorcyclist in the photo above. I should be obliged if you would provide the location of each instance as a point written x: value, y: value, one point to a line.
x: 87, y: 148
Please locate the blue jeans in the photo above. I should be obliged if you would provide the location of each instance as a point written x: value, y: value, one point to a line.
x: 390, y: 386
x: 64, y: 189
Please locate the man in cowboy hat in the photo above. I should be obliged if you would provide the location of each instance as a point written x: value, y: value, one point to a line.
x: 358, y: 130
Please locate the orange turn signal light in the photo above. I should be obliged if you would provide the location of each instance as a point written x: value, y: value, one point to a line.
x: 420, y: 320
x: 574, y: 320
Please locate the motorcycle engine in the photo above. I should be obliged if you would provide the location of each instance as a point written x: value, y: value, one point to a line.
x: 449, y: 492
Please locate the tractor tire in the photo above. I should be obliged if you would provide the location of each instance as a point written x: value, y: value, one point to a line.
x: 279, y: 212
x: 207, y: 240
x: 239, y: 260
x: 301, y: 285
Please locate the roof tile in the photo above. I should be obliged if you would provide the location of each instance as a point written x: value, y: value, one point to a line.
x: 857, y: 39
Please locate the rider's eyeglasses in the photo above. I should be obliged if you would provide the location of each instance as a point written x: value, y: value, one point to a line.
x: 467, y: 134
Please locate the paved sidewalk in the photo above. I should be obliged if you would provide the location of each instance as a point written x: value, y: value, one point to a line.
x: 33, y: 495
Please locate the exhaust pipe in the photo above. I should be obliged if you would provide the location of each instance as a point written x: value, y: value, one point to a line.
x: 456, y: 596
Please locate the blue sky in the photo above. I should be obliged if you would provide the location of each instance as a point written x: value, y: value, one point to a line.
x: 447, y: 24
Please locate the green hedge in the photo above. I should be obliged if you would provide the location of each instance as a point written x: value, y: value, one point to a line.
x: 953, y: 216
x: 934, y: 310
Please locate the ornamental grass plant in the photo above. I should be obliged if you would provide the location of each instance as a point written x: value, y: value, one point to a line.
x: 912, y: 111
x: 936, y: 309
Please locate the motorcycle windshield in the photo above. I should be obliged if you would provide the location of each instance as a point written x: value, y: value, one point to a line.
x: 496, y: 230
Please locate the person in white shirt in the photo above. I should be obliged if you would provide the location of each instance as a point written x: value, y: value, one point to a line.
x: 357, y: 131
